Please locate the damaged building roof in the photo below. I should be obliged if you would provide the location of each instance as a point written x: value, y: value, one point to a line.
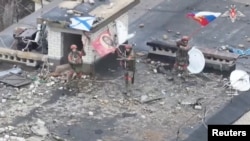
x: 105, y: 11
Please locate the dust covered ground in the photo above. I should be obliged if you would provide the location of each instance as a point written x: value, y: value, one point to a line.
x: 95, y: 110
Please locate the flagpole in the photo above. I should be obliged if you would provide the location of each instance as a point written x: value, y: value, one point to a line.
x: 195, y: 32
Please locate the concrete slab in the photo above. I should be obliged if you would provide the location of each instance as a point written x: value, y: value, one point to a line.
x: 15, y: 80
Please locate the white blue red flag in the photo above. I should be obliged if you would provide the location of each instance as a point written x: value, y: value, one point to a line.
x: 203, y: 17
x: 82, y: 23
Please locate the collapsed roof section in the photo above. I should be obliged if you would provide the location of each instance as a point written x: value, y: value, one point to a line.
x: 103, y: 12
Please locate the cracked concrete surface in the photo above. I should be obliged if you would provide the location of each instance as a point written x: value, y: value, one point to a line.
x: 89, y: 110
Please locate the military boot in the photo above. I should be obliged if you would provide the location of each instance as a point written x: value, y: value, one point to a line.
x: 185, y: 75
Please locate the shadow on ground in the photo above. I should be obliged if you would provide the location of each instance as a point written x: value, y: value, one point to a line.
x: 108, y: 67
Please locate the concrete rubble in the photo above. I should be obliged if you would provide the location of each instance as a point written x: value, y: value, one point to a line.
x: 165, y: 37
x: 54, y: 110
x: 241, y: 45
x: 39, y: 128
x: 141, y: 25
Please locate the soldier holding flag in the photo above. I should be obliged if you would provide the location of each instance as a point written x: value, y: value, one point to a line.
x: 182, y: 58
x: 128, y: 64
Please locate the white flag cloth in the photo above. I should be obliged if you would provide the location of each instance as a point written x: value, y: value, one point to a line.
x: 122, y: 32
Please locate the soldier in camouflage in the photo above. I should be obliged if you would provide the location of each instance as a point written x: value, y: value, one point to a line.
x: 75, y: 61
x: 129, y: 66
x: 182, y: 58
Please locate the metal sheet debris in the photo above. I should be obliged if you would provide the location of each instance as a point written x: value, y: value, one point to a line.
x: 10, y: 71
x: 15, y: 80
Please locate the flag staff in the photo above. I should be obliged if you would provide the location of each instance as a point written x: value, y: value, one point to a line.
x: 195, y: 32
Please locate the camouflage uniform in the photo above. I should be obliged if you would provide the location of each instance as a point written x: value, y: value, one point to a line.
x: 129, y: 66
x: 75, y: 61
x: 182, y: 58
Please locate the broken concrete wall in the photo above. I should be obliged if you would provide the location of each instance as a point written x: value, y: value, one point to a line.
x: 13, y: 10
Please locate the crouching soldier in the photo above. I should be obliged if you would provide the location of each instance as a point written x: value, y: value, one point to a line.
x: 182, y: 58
x: 75, y: 61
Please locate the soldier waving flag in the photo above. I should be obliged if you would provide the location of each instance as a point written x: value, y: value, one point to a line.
x: 128, y: 63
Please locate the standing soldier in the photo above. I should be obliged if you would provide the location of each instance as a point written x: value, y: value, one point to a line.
x: 75, y: 61
x: 129, y: 66
x: 182, y: 58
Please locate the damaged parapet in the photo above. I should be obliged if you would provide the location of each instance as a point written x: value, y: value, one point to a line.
x: 219, y: 60
x: 26, y: 58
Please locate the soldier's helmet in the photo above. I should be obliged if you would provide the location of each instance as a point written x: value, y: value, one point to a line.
x: 73, y: 47
x: 185, y: 38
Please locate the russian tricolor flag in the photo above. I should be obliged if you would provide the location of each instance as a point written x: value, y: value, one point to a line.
x: 204, y: 17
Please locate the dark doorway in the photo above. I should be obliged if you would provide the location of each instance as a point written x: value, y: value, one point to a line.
x: 69, y: 39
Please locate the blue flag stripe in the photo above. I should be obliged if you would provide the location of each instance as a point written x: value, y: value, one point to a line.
x: 84, y: 22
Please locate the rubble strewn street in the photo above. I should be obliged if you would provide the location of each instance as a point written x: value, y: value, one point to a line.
x: 89, y: 110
